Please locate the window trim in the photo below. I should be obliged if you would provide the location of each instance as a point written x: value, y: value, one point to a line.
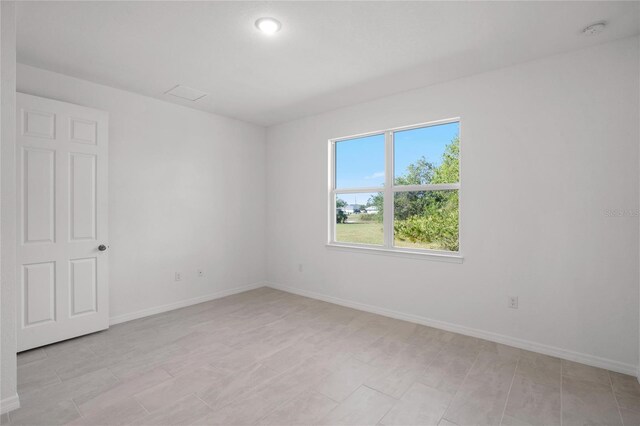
x: 388, y: 190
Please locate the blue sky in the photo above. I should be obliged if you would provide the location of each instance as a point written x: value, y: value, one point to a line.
x: 360, y: 162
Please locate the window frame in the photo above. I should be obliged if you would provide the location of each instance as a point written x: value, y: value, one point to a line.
x: 389, y: 190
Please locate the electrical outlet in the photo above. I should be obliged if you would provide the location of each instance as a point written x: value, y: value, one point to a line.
x: 200, y: 273
x: 513, y: 302
x: 299, y: 267
x: 178, y: 276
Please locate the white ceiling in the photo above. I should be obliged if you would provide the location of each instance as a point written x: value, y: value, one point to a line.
x: 328, y: 54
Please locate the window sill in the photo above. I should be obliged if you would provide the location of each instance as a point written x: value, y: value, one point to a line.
x: 438, y: 257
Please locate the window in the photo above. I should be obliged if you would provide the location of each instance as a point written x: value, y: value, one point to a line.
x: 397, y: 190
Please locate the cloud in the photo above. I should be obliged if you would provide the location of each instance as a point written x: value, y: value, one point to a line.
x: 375, y: 175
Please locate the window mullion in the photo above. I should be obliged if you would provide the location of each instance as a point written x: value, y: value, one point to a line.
x: 356, y: 190
x: 387, y: 219
x: 427, y: 187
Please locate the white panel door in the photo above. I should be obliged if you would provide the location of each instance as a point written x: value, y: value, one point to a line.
x: 62, y: 221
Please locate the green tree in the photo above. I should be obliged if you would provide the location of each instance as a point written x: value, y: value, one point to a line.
x: 436, y: 226
x: 429, y: 217
x: 449, y: 170
x: 378, y: 201
x: 341, y: 216
x: 418, y: 173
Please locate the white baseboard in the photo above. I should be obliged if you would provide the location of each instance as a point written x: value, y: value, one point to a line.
x: 182, y: 304
x: 583, y: 358
x: 9, y: 404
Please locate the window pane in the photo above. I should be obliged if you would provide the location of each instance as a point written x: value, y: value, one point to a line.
x: 359, y: 218
x: 360, y: 162
x: 426, y: 219
x: 427, y: 155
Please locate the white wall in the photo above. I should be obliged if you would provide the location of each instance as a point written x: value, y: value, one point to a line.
x: 547, y: 147
x: 8, y: 390
x: 186, y: 191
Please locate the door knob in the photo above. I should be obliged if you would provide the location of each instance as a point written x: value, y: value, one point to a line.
x: 102, y: 247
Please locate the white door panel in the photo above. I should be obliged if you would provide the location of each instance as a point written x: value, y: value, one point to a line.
x: 83, y: 279
x: 39, y: 291
x: 82, y: 192
x: 38, y: 192
x: 62, y: 220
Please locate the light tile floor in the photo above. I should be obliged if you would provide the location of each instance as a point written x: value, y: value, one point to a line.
x: 272, y: 358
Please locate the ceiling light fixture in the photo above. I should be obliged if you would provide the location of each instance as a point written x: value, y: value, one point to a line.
x: 594, y: 29
x: 269, y: 26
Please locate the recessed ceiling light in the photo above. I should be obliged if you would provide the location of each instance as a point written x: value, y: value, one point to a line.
x: 594, y: 29
x: 269, y: 26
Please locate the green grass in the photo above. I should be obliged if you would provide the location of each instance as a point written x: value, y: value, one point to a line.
x: 359, y: 232
x: 355, y: 231
x: 418, y: 244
